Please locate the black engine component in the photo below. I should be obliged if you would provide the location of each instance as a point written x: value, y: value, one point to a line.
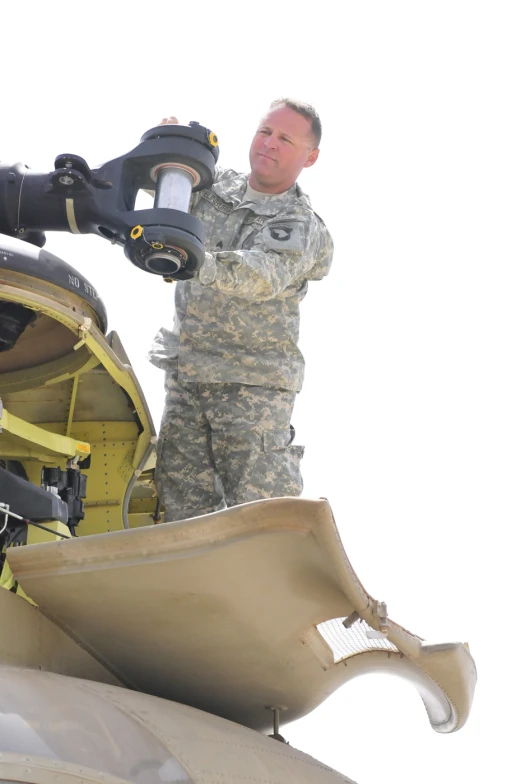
x: 30, y: 501
x: 14, y: 319
x: 25, y: 259
x: 71, y: 486
x: 172, y: 160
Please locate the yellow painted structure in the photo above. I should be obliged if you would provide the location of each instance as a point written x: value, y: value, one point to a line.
x: 76, y: 397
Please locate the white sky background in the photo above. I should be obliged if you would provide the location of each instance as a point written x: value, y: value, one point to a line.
x: 411, y: 406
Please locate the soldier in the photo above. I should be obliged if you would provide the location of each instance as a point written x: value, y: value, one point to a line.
x: 232, y: 363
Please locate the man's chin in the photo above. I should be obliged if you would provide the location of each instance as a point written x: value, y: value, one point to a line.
x: 264, y: 182
x: 267, y: 173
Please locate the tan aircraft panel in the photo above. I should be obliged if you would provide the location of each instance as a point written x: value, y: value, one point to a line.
x: 29, y: 639
x: 236, y: 611
x: 58, y: 730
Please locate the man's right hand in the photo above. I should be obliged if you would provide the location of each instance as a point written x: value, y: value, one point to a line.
x: 169, y: 121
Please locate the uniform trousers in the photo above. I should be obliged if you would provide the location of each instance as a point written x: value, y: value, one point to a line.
x: 224, y: 444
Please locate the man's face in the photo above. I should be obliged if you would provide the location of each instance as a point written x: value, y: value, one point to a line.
x: 282, y: 146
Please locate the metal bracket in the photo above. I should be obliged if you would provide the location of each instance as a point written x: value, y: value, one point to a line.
x: 351, y: 619
x: 380, y: 609
x: 82, y: 332
x: 40, y: 441
x: 276, y: 722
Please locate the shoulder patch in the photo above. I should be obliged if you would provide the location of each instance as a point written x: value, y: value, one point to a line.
x: 285, y: 234
x: 281, y: 231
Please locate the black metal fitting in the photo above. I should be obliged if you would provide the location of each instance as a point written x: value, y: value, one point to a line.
x: 71, y: 487
x: 162, y: 240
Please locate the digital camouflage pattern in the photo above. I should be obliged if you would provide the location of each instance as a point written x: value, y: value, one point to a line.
x: 233, y: 366
x: 238, y: 319
x: 224, y: 444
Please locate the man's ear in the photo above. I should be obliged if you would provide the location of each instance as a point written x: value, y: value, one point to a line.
x: 312, y: 158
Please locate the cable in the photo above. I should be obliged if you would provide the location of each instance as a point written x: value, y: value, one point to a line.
x: 20, y: 203
x: 49, y: 530
x: 8, y: 513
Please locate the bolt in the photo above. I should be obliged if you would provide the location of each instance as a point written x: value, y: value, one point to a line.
x: 66, y: 180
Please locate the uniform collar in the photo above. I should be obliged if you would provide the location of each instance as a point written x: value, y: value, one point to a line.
x: 232, y: 191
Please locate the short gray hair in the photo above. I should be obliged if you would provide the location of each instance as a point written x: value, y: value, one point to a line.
x: 306, y: 110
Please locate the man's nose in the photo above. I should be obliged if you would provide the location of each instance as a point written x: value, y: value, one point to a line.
x: 270, y: 142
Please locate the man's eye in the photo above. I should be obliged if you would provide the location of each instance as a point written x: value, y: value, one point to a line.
x: 265, y: 133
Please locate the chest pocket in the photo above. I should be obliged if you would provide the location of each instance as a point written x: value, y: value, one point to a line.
x: 279, y: 235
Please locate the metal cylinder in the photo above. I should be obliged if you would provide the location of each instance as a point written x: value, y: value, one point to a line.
x: 163, y: 263
x: 174, y: 188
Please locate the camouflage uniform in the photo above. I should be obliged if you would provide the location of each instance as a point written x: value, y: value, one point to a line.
x: 232, y: 361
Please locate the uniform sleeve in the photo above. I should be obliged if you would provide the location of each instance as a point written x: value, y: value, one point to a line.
x: 285, y: 250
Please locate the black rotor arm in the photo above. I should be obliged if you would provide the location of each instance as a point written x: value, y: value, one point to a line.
x: 172, y: 160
